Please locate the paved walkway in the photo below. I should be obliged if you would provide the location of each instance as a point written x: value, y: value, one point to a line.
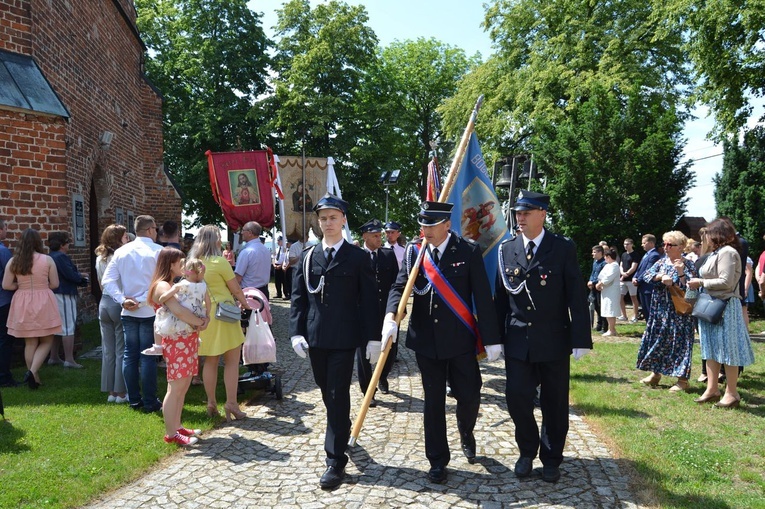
x: 276, y: 456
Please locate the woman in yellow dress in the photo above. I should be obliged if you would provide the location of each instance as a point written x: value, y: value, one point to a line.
x: 220, y: 338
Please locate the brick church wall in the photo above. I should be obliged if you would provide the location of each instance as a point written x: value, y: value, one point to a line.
x: 92, y: 56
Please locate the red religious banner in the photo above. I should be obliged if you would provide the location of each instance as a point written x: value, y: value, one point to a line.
x: 242, y: 185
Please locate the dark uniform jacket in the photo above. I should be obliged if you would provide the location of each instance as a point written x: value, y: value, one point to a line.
x: 561, y: 319
x: 345, y: 313
x: 387, y: 270
x: 435, y: 331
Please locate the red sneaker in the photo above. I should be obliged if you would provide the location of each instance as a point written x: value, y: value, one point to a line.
x: 180, y: 439
x: 186, y: 432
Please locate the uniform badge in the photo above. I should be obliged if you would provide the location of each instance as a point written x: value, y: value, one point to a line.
x: 517, y: 271
x: 544, y: 279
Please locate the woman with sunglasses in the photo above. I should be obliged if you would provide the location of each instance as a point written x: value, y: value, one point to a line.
x: 667, y: 342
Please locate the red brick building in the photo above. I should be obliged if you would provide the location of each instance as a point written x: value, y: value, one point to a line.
x: 87, y: 151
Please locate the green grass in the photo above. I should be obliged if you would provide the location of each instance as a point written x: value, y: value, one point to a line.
x: 685, y: 455
x: 63, y: 445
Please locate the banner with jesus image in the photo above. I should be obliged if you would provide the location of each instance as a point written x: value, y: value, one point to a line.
x: 241, y: 185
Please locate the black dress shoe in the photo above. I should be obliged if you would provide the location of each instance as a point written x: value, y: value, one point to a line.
x: 156, y: 407
x: 383, y: 384
x: 437, y: 474
x: 373, y: 403
x: 29, y: 378
x: 468, y: 447
x: 550, y: 473
x: 332, y: 477
x: 10, y: 383
x: 523, y: 466
x: 136, y: 406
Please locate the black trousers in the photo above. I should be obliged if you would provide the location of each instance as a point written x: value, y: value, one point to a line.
x: 364, y: 368
x: 281, y: 289
x: 6, y: 346
x: 333, y: 371
x: 288, y: 282
x: 522, y: 380
x: 464, y: 377
x: 601, y: 323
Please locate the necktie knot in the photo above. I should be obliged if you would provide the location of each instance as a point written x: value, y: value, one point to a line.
x: 436, y: 258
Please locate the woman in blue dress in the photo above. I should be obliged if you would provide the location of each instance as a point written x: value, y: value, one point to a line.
x: 667, y: 342
x: 726, y: 342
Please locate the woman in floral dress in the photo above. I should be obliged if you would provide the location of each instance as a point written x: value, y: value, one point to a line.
x: 667, y: 342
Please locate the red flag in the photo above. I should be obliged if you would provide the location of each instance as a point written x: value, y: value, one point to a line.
x: 241, y: 185
x: 434, y: 181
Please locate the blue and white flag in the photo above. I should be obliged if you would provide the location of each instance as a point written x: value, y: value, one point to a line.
x: 477, y: 213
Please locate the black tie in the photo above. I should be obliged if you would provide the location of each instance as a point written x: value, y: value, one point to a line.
x: 530, y: 250
x: 374, y: 260
x: 436, y: 258
x: 330, y: 250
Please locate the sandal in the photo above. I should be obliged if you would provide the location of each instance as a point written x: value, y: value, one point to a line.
x: 652, y: 379
x: 681, y: 385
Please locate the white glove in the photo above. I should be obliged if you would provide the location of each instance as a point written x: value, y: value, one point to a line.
x: 373, y: 351
x: 300, y: 345
x: 493, y: 352
x: 580, y: 352
x: 389, y: 330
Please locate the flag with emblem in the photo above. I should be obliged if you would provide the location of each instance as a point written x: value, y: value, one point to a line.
x: 477, y: 213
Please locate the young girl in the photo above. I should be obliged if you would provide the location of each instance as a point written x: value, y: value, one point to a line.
x: 192, y: 294
x: 179, y: 347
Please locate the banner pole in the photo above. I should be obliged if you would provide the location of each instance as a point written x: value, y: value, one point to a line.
x: 401, y: 310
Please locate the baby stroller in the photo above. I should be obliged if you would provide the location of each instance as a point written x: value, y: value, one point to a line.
x: 257, y: 376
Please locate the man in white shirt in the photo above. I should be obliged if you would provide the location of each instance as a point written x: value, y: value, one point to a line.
x: 392, y: 233
x: 278, y: 259
x: 253, y: 266
x: 293, y: 258
x: 126, y: 280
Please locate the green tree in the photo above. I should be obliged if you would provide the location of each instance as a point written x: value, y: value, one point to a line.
x: 615, y: 162
x: 592, y: 91
x: 724, y: 41
x: 209, y: 60
x: 323, y: 60
x: 419, y: 75
x: 739, y: 193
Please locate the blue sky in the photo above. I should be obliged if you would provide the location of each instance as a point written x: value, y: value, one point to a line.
x: 458, y: 23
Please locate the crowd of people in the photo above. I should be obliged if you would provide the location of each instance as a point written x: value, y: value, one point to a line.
x: 719, y: 265
x: 163, y: 296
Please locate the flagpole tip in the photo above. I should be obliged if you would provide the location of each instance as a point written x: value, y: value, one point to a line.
x: 479, y: 102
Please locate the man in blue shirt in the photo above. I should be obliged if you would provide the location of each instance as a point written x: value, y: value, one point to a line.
x: 253, y: 265
x: 6, y: 340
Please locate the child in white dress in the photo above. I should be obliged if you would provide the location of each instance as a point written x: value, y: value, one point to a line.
x: 191, y: 293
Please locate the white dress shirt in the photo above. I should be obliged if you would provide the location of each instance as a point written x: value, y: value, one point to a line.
x: 129, y: 275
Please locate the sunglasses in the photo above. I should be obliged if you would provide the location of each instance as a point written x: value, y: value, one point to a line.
x: 667, y: 244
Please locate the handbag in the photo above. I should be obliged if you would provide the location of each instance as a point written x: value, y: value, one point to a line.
x: 227, y: 311
x: 709, y: 309
x: 682, y: 306
x: 259, y: 345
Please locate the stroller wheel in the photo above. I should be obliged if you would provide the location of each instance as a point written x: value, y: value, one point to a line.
x: 278, y: 386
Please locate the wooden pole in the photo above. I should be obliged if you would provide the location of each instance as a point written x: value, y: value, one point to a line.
x: 401, y: 311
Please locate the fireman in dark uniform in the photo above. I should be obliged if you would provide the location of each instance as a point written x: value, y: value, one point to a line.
x: 334, y: 311
x: 384, y: 264
x: 444, y: 342
x: 542, y: 311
